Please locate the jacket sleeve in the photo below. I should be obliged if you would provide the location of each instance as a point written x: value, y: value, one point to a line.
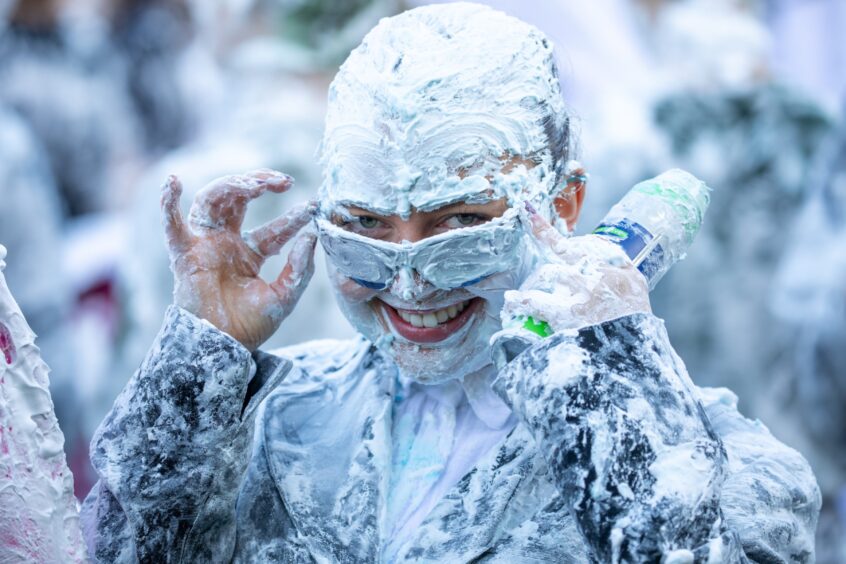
x: 172, y: 452
x: 770, y: 496
x: 628, y: 442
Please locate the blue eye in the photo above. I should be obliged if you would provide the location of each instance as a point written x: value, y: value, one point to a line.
x: 368, y: 222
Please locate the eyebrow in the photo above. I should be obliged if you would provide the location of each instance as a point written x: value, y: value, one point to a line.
x: 448, y: 207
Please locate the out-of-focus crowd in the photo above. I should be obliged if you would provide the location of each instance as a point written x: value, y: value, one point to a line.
x: 101, y: 99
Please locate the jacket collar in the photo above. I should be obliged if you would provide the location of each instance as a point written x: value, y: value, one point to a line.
x: 331, y: 465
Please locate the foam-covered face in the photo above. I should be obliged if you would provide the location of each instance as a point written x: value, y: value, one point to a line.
x: 443, y: 105
x: 433, y: 330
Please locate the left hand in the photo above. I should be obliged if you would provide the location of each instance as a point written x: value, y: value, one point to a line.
x: 583, y: 281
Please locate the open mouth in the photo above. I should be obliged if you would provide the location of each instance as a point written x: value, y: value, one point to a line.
x: 431, y: 326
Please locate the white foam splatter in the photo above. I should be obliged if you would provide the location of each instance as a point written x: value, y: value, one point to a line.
x: 39, y: 519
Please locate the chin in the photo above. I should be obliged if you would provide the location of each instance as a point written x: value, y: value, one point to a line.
x: 429, y: 365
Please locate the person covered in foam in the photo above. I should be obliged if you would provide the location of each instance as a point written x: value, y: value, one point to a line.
x: 446, y: 206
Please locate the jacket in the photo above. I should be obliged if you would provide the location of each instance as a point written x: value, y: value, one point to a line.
x: 211, y: 454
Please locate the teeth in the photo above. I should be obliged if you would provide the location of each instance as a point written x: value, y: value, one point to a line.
x: 433, y: 318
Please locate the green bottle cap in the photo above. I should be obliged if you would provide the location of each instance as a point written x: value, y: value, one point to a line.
x: 539, y: 327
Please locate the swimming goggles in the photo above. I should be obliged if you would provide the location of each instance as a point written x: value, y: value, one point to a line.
x: 457, y: 258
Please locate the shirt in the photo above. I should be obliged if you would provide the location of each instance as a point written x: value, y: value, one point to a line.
x: 439, y: 433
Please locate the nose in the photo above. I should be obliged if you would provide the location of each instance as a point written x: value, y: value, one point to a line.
x: 408, y: 285
x: 415, y: 229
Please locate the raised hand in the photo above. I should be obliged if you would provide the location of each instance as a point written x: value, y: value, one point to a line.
x: 216, y: 267
x: 584, y: 281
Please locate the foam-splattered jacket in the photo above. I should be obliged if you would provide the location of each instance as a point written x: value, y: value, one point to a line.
x: 211, y: 454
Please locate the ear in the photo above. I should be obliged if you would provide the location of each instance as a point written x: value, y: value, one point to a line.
x: 568, y: 202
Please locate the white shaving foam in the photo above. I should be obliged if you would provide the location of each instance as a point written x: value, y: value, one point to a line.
x: 39, y: 520
x: 426, y: 110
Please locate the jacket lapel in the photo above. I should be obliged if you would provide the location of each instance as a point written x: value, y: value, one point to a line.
x: 328, y: 449
x: 328, y: 446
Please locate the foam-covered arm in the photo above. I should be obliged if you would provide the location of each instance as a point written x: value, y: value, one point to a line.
x: 627, y: 442
x: 173, y: 450
x: 770, y: 496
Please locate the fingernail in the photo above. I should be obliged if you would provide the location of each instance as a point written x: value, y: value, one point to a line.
x: 530, y: 208
x: 280, y: 179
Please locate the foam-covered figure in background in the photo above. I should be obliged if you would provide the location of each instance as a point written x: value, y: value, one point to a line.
x: 755, y: 139
x: 807, y: 393
x: 152, y: 38
x: 39, y: 516
x: 58, y: 72
x: 446, y: 201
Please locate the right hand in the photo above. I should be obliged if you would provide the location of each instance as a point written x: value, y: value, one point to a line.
x: 216, y: 268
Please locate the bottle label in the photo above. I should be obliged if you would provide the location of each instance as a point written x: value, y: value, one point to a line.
x: 637, y: 242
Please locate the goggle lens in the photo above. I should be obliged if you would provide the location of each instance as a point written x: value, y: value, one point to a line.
x: 450, y: 260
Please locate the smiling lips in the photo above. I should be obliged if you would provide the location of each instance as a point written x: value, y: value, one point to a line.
x: 431, y: 326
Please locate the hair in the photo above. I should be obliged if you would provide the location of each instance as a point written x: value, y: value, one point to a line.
x: 453, y: 62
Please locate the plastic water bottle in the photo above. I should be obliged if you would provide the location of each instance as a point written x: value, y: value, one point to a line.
x: 657, y: 220
x: 654, y: 223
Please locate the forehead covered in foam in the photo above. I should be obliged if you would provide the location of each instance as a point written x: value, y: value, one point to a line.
x: 434, y: 101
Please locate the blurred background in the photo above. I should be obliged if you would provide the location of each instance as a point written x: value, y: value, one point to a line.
x: 101, y: 99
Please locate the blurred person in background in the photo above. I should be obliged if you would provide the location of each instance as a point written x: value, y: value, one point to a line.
x: 394, y: 445
x: 755, y: 138
x: 151, y: 37
x: 59, y: 72
x: 806, y: 397
x: 71, y: 76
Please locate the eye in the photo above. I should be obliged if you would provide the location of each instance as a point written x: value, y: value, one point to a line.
x: 468, y: 218
x: 460, y: 220
x: 368, y: 222
x: 368, y: 225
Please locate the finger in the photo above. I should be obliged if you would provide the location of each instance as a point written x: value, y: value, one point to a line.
x: 222, y: 204
x: 294, y: 278
x: 543, y: 231
x: 267, y: 239
x: 176, y: 232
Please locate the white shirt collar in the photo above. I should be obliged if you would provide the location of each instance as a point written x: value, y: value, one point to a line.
x: 476, y: 388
